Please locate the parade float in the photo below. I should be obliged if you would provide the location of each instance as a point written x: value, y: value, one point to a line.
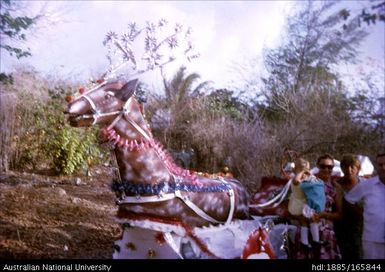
x: 166, y: 211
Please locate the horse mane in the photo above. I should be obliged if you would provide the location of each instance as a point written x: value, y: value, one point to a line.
x: 170, y: 163
x: 110, y: 135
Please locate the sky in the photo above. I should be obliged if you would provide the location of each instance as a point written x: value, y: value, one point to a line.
x: 69, y: 43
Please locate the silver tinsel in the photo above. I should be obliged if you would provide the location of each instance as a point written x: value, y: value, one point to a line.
x: 161, y: 43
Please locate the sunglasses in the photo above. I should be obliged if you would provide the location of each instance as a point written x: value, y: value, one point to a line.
x: 324, y: 166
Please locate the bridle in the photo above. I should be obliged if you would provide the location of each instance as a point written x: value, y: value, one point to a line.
x: 96, y: 114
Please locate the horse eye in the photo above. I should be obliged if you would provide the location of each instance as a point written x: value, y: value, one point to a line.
x: 109, y: 95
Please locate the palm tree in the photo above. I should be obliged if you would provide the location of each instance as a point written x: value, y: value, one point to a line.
x: 180, y: 88
x: 176, y: 109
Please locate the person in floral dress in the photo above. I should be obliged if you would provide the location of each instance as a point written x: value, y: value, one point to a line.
x: 333, y: 211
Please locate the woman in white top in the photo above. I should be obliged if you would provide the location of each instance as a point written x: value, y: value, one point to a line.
x: 372, y: 194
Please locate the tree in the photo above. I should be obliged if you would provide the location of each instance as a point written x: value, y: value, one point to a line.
x: 306, y: 104
x: 180, y: 92
x: 313, y: 46
x: 13, y: 29
x: 370, y: 15
x: 180, y: 87
x: 224, y: 103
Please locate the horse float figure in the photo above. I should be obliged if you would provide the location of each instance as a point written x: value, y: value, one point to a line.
x: 166, y: 211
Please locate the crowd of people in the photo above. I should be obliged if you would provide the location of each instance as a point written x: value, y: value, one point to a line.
x: 347, y: 220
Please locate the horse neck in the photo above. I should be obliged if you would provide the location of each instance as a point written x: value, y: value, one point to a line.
x: 142, y: 159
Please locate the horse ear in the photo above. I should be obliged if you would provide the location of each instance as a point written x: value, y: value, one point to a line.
x: 127, y: 90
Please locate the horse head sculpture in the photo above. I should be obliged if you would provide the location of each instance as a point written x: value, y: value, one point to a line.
x: 150, y: 184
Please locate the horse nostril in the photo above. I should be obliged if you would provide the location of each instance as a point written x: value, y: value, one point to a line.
x: 68, y: 110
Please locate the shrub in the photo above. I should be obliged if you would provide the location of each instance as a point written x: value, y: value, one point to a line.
x: 71, y: 149
x: 38, y: 135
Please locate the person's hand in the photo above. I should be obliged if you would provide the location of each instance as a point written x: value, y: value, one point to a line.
x: 304, y: 173
x: 325, y: 215
x: 318, y: 216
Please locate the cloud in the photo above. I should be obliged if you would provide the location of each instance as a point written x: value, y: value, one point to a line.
x: 224, y: 32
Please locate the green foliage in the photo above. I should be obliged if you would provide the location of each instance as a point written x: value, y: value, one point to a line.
x: 42, y: 139
x: 19, y: 53
x: 180, y: 88
x: 304, y: 61
x: 181, y: 93
x: 222, y: 103
x: 6, y: 79
x: 376, y: 13
x: 71, y: 149
x: 14, y: 28
x: 306, y: 106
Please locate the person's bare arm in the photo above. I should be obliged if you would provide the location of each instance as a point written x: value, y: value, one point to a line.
x: 300, y: 176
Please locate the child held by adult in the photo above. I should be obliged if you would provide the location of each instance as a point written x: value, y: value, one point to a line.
x: 307, y: 199
x: 333, y: 208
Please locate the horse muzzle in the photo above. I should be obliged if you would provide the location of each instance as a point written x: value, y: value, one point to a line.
x: 80, y: 120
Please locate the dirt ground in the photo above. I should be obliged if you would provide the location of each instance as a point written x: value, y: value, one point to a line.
x: 51, y: 217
